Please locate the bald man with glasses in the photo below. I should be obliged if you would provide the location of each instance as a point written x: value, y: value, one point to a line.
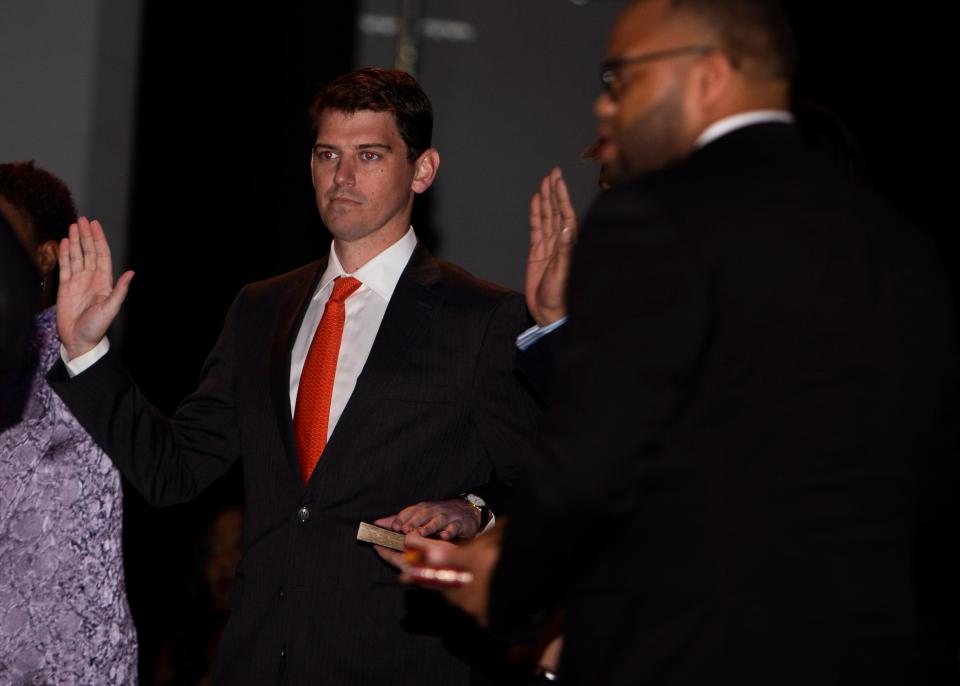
x: 749, y: 406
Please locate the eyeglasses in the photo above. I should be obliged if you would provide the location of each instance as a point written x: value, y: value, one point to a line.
x: 610, y: 70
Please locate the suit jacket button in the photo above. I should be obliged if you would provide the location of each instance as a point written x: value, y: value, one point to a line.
x: 303, y: 514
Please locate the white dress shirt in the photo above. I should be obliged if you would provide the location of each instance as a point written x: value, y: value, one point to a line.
x: 364, y: 313
x: 722, y: 127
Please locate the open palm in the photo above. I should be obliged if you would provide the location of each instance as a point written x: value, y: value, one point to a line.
x: 553, y: 228
x: 88, y: 300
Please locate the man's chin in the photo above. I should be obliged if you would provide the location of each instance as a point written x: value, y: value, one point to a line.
x: 342, y: 217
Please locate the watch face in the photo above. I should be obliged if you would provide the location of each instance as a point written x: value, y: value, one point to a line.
x: 475, y: 500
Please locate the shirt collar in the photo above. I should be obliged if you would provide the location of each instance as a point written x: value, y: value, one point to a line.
x: 380, y: 274
x: 727, y: 125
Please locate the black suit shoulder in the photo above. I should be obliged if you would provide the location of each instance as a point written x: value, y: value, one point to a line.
x: 297, y: 276
x: 731, y: 189
x: 459, y: 279
x: 276, y: 286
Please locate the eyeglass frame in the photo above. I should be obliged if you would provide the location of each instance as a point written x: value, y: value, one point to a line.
x: 609, y: 68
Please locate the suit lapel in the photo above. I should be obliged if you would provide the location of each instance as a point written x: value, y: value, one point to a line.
x: 413, y: 303
x: 290, y: 312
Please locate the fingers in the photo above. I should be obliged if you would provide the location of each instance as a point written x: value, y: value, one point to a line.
x: 400, y: 522
x: 567, y: 214
x: 393, y: 522
x: 417, y: 516
x: 392, y: 557
x: 424, y: 518
x: 63, y: 260
x: 536, y: 228
x: 386, y: 522
x: 452, y: 518
x: 85, y: 249
x: 547, y: 221
x: 560, y: 261
x: 104, y: 261
x: 75, y: 252
x: 426, y: 553
x: 448, y: 528
x: 432, y: 525
x: 86, y: 245
x: 550, y: 208
x: 436, y: 555
x: 554, y: 200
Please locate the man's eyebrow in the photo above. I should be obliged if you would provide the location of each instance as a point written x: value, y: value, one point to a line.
x: 363, y: 146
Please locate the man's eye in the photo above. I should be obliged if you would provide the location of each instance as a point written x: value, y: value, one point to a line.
x: 325, y: 154
x: 368, y: 156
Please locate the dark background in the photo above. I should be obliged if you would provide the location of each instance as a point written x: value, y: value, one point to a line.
x: 221, y: 192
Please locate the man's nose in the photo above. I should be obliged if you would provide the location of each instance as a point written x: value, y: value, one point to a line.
x: 604, y: 107
x: 346, y: 172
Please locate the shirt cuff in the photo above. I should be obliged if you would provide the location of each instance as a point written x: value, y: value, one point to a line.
x: 535, y: 333
x: 490, y: 524
x: 80, y: 364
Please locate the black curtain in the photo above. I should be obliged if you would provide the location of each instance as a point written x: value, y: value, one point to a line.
x: 221, y: 197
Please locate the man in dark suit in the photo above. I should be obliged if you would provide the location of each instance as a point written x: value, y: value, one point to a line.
x: 413, y: 405
x: 732, y: 471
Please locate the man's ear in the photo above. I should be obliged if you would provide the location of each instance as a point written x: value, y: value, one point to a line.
x: 713, y: 75
x: 425, y: 170
x: 708, y: 86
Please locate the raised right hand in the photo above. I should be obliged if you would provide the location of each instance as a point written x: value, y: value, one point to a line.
x: 553, y: 230
x: 88, y: 300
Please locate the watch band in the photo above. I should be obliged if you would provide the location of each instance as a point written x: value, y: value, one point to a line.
x: 481, y: 506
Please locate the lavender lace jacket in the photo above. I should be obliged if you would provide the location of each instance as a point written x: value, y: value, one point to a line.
x: 64, y: 617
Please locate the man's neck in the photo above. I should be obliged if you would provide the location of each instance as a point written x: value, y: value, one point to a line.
x: 355, y: 254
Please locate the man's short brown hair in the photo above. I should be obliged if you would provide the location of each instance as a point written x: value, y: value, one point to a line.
x: 381, y: 90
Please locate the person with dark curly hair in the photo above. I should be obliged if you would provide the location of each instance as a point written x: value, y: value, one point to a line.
x: 16, y: 275
x: 64, y: 616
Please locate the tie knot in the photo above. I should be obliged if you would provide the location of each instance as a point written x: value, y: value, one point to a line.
x: 343, y: 288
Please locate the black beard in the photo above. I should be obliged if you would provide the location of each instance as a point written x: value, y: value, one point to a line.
x: 651, y: 141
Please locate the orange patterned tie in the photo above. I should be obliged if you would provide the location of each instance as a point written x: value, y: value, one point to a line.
x: 312, y: 416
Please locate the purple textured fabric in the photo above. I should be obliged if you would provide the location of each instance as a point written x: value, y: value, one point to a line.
x: 64, y: 617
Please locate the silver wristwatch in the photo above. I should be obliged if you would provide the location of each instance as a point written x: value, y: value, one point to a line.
x: 481, y: 505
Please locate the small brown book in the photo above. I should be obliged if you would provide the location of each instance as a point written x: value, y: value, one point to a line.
x: 369, y: 533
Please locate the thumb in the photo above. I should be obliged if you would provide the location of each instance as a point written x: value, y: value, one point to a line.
x: 119, y: 293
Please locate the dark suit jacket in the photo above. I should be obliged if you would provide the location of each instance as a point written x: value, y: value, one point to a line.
x: 436, y: 411
x: 19, y: 292
x: 747, y: 407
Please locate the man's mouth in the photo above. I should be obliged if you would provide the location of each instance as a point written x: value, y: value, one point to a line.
x: 342, y: 199
x: 606, y: 148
